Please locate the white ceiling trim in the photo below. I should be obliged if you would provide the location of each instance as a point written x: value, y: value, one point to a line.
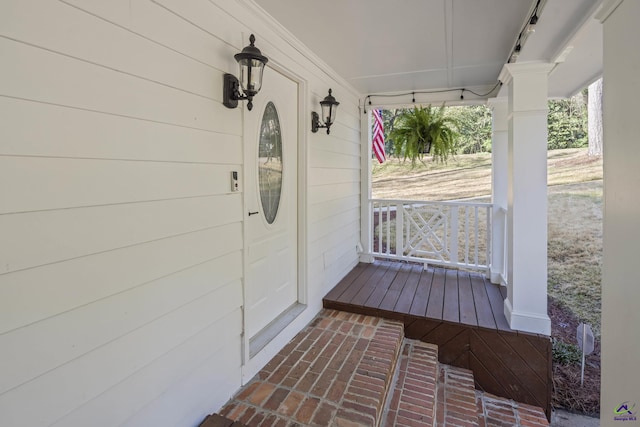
x: 290, y: 38
x: 387, y: 47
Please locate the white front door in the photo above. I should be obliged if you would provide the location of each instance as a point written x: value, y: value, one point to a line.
x: 271, y: 159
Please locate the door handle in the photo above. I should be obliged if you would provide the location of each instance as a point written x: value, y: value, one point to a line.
x: 253, y: 213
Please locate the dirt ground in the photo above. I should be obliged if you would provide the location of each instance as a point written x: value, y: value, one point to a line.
x: 567, y: 391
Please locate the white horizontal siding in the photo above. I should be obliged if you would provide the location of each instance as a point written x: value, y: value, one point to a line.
x: 107, y: 319
x: 332, y: 207
x: 326, y: 225
x: 325, y: 193
x: 38, y: 293
x: 342, y: 260
x: 326, y: 176
x: 61, y: 183
x: 208, y: 386
x: 122, y: 245
x: 142, y: 58
x: 100, y: 370
x: 339, y: 146
x: 339, y: 239
x: 45, y: 237
x: 70, y: 82
x: 55, y: 131
x: 199, y: 378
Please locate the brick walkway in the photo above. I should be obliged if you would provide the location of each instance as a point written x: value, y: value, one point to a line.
x: 335, y: 372
x: 340, y: 369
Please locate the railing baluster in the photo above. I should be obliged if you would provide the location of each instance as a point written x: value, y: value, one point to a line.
x: 476, y: 224
x: 407, y: 229
x: 380, y: 229
x: 488, y: 240
x: 386, y: 229
x: 454, y: 235
x: 378, y: 210
x: 399, y: 229
x: 505, y: 249
x: 429, y: 232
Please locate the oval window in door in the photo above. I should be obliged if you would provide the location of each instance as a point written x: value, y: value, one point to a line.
x: 270, y: 162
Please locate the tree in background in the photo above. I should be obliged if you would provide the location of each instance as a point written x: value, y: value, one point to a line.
x: 595, y: 117
x: 474, y: 127
x: 567, y: 122
x: 389, y: 121
x: 567, y: 126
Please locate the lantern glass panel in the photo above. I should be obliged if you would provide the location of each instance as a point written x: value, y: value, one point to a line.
x: 251, y: 75
x: 328, y: 113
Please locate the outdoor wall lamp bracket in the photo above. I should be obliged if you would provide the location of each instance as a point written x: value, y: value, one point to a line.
x: 251, y: 63
x: 329, y: 107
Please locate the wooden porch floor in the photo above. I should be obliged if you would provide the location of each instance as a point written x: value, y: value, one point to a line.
x: 391, y: 289
x: 462, y: 313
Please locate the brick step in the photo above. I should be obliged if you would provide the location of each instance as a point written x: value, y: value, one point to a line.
x: 494, y: 411
x: 428, y: 394
x: 337, y: 371
x: 351, y: 370
x: 456, y: 398
x: 413, y: 394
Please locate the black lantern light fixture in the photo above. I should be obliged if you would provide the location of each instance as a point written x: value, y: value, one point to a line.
x: 251, y: 63
x: 329, y: 107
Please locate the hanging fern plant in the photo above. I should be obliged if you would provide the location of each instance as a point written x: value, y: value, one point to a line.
x: 424, y: 130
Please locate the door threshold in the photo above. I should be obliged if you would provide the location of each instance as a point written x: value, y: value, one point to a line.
x: 269, y: 332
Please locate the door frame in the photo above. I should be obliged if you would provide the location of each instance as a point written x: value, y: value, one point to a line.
x: 250, y: 365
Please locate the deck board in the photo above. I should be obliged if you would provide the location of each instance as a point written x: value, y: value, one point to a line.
x: 468, y: 313
x: 451, y: 306
x: 421, y: 297
x: 463, y: 314
x: 435, y: 293
x: 382, y: 286
x: 393, y: 293
x: 344, y: 284
x: 365, y: 292
x: 496, y: 301
x: 484, y: 312
x: 403, y: 305
x: 436, y: 297
x: 362, y: 280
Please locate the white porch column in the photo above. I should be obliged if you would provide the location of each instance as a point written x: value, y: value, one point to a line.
x: 499, y: 179
x: 621, y: 221
x: 526, y: 303
x: 366, y: 222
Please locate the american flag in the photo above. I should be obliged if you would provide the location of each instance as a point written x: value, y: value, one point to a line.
x: 378, y: 136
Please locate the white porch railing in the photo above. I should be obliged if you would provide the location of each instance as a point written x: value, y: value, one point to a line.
x: 456, y: 234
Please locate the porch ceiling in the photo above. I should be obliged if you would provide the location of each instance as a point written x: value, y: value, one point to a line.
x: 385, y: 46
